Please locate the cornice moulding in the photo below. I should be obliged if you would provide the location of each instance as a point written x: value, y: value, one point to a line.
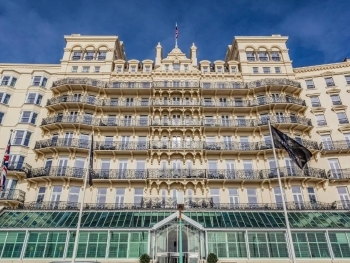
x: 322, y: 67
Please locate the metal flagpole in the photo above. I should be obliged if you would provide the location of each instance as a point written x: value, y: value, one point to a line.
x: 176, y: 34
x: 180, y: 237
x: 289, y: 233
x: 75, y: 249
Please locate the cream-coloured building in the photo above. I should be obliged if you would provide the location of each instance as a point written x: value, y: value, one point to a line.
x: 170, y: 126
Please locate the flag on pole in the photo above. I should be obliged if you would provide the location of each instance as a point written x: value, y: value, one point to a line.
x: 297, y: 152
x: 91, y: 160
x: 5, y: 165
x: 176, y: 32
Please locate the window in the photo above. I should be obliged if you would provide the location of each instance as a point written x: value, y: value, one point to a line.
x: 329, y: 82
x: 219, y: 69
x: 133, y: 68
x: 278, y: 196
x: 248, y: 168
x: 312, y: 194
x: 263, y: 56
x: 28, y: 117
x: 250, y: 56
x: 39, y: 81
x: 56, y: 195
x: 105, y: 166
x: 138, y: 195
x: 73, y: 197
x: 278, y: 70
x: 147, y: 68
x: 336, y: 99
x: 215, y: 195
x: 16, y: 161
x: 335, y: 168
x: 4, y: 98
x: 101, y: 196
x: 255, y: 70
x: 89, y: 55
x: 267, y: 245
x: 186, y: 67
x: 1, y: 116
x: 310, y: 245
x: 266, y: 70
x: 275, y: 56
x: 344, y: 196
x: 97, y: 69
x: 252, y: 196
x: 166, y: 67
x: 21, y: 138
x: 233, y: 196
x: 176, y: 67
x: 342, y: 118
x: 76, y: 55
x: 119, y: 197
x: 340, y: 242
x: 297, y: 196
x: 74, y: 69
x: 327, y: 142
x: 205, y: 69
x: 119, y: 68
x: 347, y: 79
x: 41, y: 194
x: 85, y: 69
x: 315, y: 102
x: 101, y: 55
x: 233, y: 69
x: 8, y: 81
x: 320, y: 119
x: 33, y: 98
x: 309, y: 84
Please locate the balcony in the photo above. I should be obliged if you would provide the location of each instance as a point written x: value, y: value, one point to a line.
x: 62, y: 142
x: 176, y: 122
x: 168, y: 203
x: 58, y: 171
x: 70, y: 119
x: 176, y: 84
x: 189, y: 145
x: 176, y: 103
x: 12, y: 195
x: 122, y: 123
x: 121, y: 146
x: 124, y: 103
x: 119, y: 174
x: 176, y: 173
x: 237, y: 146
x: 339, y: 174
x: 308, y: 144
x: 335, y: 146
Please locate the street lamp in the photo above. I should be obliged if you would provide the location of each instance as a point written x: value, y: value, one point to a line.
x: 180, y: 207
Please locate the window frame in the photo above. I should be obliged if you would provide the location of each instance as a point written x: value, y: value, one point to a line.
x: 278, y: 70
x: 97, y: 69
x: 3, y: 98
x: 266, y: 70
x: 75, y: 55
x: 41, y: 83
x: 342, y: 120
x: 347, y: 79
x: 23, y: 139
x: 255, y: 70
x: 309, y: 85
x: 31, y: 118
x: 321, y: 122
x: 74, y: 69
x: 11, y: 82
x: 329, y: 82
x: 83, y: 69
x: 36, y: 98
x: 315, y: 103
x: 2, y: 115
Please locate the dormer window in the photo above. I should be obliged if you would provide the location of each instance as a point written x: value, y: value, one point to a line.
x: 263, y: 56
x: 186, y: 67
x: 101, y: 55
x: 275, y: 56
x: 133, y: 69
x: 176, y: 67
x: 166, y: 67
x: 233, y: 69
x: 119, y: 68
x: 39, y: 81
x: 250, y: 56
x: 76, y: 55
x: 8, y: 81
x: 89, y: 55
x: 147, y: 69
x: 205, y: 69
x: 219, y: 69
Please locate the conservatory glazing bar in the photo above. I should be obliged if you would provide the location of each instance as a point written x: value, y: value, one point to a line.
x: 15, y: 219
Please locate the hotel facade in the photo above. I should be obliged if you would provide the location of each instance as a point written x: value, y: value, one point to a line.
x: 167, y: 127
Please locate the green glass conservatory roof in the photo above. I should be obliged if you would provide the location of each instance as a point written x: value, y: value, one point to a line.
x: 141, y: 219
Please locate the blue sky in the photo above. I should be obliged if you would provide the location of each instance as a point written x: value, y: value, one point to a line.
x: 32, y: 30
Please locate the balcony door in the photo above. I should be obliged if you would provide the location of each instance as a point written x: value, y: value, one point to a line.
x: 55, y: 196
x: 54, y: 139
x: 347, y: 139
x: 176, y: 101
x: 87, y: 118
x: 248, y: 168
x: 127, y: 120
x: 212, y: 168
x: 344, y: 197
x: 83, y: 140
x: 125, y: 142
x: 129, y: 102
x: 140, y: 169
x: 230, y: 169
x: 176, y: 119
x: 273, y: 168
x: 62, y: 166
x: 122, y: 169
x: 79, y: 167
x: 176, y: 168
x: 68, y: 137
x: 335, y: 168
x: 291, y: 169
x: 297, y: 197
x: 176, y: 142
x: 105, y: 168
x: 327, y: 142
x: 225, y: 120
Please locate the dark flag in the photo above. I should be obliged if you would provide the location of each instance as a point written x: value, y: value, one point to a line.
x: 298, y: 153
x: 5, y: 165
x: 91, y: 160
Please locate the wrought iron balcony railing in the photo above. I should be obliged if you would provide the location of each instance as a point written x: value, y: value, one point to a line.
x: 176, y: 173
x: 176, y: 84
x: 335, y: 145
x: 57, y: 171
x: 102, y: 84
x: 176, y: 145
x: 308, y: 144
x: 176, y: 103
x: 125, y: 103
x: 13, y: 195
x: 119, y: 174
x: 339, y: 173
x: 238, y: 146
x: 176, y: 122
x: 120, y: 146
x: 62, y: 142
x: 17, y: 166
x: 129, y: 85
x: 168, y: 203
x: 122, y: 122
x: 87, y: 119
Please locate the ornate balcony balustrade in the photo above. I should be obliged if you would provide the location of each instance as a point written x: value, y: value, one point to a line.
x: 339, y: 173
x: 12, y: 195
x: 121, y: 145
x: 176, y: 145
x: 176, y: 84
x: 176, y: 122
x: 273, y: 82
x: 119, y: 174
x: 125, y: 103
x: 62, y: 142
x: 57, y: 171
x: 17, y: 166
x: 102, y: 84
x: 223, y: 85
x: 176, y: 173
x: 168, y: 203
x: 129, y: 85
x: 335, y: 145
x: 184, y: 102
x: 109, y: 121
x: 309, y: 144
x: 237, y: 146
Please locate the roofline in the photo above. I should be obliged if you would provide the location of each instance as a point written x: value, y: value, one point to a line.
x: 80, y: 37
x: 34, y: 65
